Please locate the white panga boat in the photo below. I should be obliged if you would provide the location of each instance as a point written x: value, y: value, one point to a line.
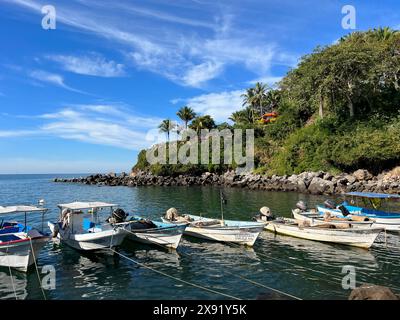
x: 313, y: 218
x: 240, y: 232
x: 80, y: 227
x: 154, y: 232
x: 357, y: 237
x: 20, y: 244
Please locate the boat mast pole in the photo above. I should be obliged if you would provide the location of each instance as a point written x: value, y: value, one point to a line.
x: 222, y: 207
x: 25, y: 223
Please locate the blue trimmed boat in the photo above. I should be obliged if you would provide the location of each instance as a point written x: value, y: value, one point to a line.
x: 388, y: 220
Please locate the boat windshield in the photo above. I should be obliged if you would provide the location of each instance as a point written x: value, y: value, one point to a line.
x: 375, y: 201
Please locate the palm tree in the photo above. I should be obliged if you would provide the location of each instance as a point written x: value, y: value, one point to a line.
x: 166, y: 126
x: 260, y: 96
x: 186, y: 114
x: 203, y: 122
x: 244, y: 116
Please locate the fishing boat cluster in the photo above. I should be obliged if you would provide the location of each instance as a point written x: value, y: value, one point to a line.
x: 89, y: 226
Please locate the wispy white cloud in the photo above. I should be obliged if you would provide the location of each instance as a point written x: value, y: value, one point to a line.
x: 269, y: 80
x: 218, y: 105
x: 92, y: 65
x: 108, y: 125
x: 16, y: 133
x: 52, y: 78
x: 184, y: 56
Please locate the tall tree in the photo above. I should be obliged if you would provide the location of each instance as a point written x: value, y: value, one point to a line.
x: 203, y: 122
x: 166, y: 126
x: 186, y: 114
x: 259, y: 98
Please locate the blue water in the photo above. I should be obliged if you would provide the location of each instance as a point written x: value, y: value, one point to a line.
x: 305, y: 269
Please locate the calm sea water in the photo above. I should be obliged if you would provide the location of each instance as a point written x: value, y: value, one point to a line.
x: 305, y: 269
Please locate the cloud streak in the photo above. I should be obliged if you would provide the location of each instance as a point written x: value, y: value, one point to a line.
x: 107, y: 125
x: 185, y: 56
x: 92, y: 65
x: 52, y: 78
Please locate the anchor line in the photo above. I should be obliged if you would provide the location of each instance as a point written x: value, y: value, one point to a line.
x: 11, y: 275
x: 37, y: 270
x: 177, y: 279
x: 309, y: 269
x: 243, y: 278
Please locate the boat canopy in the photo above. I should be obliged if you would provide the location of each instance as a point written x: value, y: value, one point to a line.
x: 86, y: 205
x: 20, y: 209
x: 372, y: 195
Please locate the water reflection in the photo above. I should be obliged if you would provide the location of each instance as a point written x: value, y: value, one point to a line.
x: 8, y: 282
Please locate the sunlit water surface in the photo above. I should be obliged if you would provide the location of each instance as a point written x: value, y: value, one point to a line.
x: 301, y: 268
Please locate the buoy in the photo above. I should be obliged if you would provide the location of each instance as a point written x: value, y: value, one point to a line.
x: 42, y: 202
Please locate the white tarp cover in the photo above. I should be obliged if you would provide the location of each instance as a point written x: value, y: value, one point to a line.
x: 86, y: 205
x: 20, y: 209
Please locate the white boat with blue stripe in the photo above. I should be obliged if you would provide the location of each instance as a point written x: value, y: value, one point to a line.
x: 388, y: 220
x: 81, y: 228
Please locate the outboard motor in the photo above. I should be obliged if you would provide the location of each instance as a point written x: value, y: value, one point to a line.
x: 118, y: 216
x: 330, y: 204
x: 266, y: 214
x: 344, y: 210
x: 301, y: 205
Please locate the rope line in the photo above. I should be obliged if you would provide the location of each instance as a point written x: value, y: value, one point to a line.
x: 241, y: 277
x: 11, y: 275
x: 177, y: 279
x: 37, y: 270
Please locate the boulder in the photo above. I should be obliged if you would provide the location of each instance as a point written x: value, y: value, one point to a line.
x: 321, y: 186
x: 372, y: 292
x: 362, y: 175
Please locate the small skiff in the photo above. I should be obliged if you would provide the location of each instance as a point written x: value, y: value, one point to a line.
x: 315, y: 219
x: 154, y: 232
x: 80, y: 227
x: 358, y: 237
x: 240, y: 232
x: 20, y: 244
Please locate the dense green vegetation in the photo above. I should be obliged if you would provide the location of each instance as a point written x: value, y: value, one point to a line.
x: 339, y: 110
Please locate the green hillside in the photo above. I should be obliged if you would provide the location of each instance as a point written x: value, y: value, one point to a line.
x: 339, y: 110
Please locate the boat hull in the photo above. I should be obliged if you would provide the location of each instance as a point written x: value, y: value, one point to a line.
x: 19, y: 255
x: 91, y: 241
x: 388, y: 223
x: 362, y: 238
x: 244, y: 236
x: 166, y: 237
x: 244, y: 233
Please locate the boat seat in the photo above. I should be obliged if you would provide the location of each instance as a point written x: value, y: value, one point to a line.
x: 9, y: 230
x: 88, y: 224
x: 8, y: 238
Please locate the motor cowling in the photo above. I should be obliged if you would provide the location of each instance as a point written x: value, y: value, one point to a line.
x: 301, y: 205
x: 266, y: 214
x: 118, y: 216
x: 330, y: 204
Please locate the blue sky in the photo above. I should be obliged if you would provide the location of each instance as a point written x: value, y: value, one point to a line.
x: 84, y: 97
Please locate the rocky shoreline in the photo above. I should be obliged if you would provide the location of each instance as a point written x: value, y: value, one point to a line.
x: 306, y: 182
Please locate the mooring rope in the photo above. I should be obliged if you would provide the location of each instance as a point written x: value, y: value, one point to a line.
x: 241, y: 277
x: 11, y: 275
x: 175, y: 278
x: 37, y: 269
